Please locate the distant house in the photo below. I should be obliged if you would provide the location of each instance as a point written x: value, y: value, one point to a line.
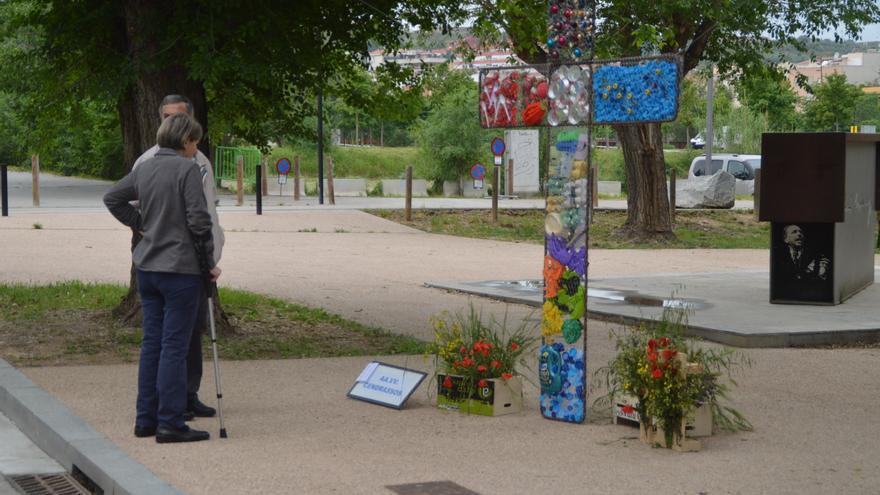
x: 860, y: 68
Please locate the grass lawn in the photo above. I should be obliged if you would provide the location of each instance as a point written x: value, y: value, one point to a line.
x: 693, y: 229
x: 70, y: 323
x: 351, y: 161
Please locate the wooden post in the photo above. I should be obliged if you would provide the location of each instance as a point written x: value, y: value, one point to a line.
x: 590, y: 180
x: 409, y: 193
x: 239, y: 180
x: 35, y: 174
x: 510, y: 176
x: 296, y: 178
x: 594, y: 185
x: 265, y: 176
x: 330, y: 192
x: 496, y: 181
x: 672, y: 195
x: 757, y: 196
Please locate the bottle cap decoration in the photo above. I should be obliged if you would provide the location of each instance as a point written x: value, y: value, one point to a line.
x: 570, y: 29
x: 624, y: 91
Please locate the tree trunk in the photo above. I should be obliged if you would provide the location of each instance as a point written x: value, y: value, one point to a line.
x: 139, y: 112
x: 647, y: 201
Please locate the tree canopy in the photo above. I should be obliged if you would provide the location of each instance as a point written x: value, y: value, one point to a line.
x: 252, y: 67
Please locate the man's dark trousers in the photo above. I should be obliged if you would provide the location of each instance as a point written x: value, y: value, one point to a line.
x: 194, y: 356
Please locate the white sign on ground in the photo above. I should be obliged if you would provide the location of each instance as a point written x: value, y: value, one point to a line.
x: 522, y: 148
x: 386, y: 384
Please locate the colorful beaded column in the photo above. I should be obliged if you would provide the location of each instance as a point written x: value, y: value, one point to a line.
x: 562, y: 364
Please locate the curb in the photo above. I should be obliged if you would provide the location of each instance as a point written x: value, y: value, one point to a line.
x: 71, y: 441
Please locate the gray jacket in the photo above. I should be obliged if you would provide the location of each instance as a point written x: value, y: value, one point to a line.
x: 173, y: 213
x: 210, y: 194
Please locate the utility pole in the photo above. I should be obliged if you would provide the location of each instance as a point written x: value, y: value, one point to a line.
x: 710, y: 135
x: 320, y: 143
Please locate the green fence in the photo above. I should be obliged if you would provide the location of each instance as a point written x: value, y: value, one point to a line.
x: 225, y: 158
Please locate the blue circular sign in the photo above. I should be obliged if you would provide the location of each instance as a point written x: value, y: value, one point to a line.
x: 498, y: 146
x: 283, y: 166
x: 478, y: 171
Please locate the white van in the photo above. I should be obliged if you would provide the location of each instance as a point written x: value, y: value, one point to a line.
x: 742, y: 167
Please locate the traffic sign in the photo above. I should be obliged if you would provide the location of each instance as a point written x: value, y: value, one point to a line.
x: 498, y: 147
x: 478, y: 171
x: 283, y: 166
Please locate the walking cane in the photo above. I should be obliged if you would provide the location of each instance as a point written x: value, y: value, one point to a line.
x: 211, y: 288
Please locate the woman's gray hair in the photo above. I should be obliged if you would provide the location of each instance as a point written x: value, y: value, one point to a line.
x: 177, y: 130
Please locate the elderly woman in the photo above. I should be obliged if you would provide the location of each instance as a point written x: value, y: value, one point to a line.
x: 172, y: 260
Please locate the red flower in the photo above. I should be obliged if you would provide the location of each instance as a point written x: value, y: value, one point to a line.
x: 664, y: 342
x: 481, y: 369
x: 482, y: 383
x: 514, y: 346
x: 506, y: 376
x: 657, y: 373
x: 652, y: 344
x: 463, y: 351
x: 447, y: 382
x: 652, y: 356
x: 496, y: 364
x: 456, y: 364
x: 627, y: 409
x: 467, y: 362
x: 668, y: 354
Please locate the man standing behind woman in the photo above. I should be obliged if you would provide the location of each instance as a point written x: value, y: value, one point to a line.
x: 176, y: 249
x: 174, y: 104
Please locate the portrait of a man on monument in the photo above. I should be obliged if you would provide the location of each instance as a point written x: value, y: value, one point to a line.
x: 801, y: 267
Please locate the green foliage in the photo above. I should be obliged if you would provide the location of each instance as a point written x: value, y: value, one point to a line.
x: 466, y: 345
x: 257, y: 64
x: 770, y: 94
x: 833, y: 105
x: 349, y: 161
x: 867, y: 110
x: 450, y: 139
x: 650, y: 365
x: 25, y: 301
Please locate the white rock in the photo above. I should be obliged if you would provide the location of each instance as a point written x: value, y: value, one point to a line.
x: 716, y: 191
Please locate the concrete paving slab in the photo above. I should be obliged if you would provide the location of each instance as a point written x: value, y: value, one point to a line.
x: 6, y: 488
x: 19, y: 455
x: 69, y: 440
x: 292, y: 430
x: 729, y: 308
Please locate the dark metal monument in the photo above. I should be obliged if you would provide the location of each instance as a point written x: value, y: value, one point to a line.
x: 820, y: 193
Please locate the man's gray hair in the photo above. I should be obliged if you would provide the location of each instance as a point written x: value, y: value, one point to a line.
x: 172, y: 99
x: 177, y: 130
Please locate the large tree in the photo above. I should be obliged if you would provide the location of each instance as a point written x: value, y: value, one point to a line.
x: 734, y: 35
x: 833, y: 104
x: 252, y: 66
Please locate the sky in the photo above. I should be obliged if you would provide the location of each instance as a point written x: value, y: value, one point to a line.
x: 870, y: 32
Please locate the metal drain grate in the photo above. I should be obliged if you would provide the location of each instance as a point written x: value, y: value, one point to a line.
x: 47, y: 484
x: 431, y: 488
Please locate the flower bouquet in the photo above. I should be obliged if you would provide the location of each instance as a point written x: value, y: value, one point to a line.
x: 477, y: 363
x: 670, y: 377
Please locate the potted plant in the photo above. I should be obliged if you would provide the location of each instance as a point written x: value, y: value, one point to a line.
x: 669, y: 378
x: 477, y: 363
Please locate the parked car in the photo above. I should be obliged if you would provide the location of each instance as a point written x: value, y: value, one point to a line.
x: 742, y: 167
x: 698, y: 142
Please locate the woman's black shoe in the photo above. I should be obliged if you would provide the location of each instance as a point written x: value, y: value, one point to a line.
x: 167, y: 434
x: 144, y: 431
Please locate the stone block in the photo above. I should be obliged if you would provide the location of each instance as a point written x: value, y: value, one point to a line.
x: 715, y: 191
x: 397, y: 187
